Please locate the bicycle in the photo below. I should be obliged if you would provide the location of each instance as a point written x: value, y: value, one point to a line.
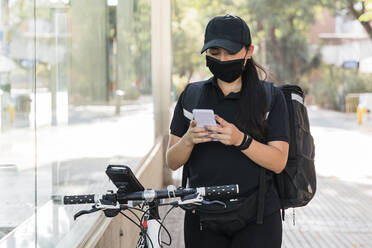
x: 132, y: 196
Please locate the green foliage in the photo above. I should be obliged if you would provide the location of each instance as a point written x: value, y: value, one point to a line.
x: 285, y: 26
x: 179, y: 83
x: 360, y: 10
x: 141, y: 43
x: 5, y: 87
x: 279, y: 31
x: 88, y: 56
x: 134, y: 43
x: 367, y: 15
x: 335, y: 83
x: 19, y: 12
x: 187, y: 38
x: 131, y: 92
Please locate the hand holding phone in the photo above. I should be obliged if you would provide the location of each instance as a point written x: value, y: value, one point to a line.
x: 204, y: 118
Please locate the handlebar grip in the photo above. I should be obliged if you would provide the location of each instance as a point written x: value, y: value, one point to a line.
x: 224, y: 191
x: 78, y: 199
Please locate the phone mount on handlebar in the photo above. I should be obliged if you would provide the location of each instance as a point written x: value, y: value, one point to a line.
x: 131, y: 196
x: 122, y: 191
x: 125, y: 181
x: 123, y: 178
x: 129, y: 188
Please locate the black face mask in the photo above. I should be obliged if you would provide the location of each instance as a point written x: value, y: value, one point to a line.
x: 227, y: 71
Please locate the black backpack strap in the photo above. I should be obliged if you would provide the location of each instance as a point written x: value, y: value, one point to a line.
x: 261, y: 196
x: 278, y: 178
x: 269, y: 92
x: 280, y: 187
x: 191, y: 98
x: 185, y: 176
x: 190, y: 101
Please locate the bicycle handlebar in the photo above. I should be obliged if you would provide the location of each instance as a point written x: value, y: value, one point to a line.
x: 221, y: 191
x: 114, y: 203
x: 78, y: 199
x: 215, y: 192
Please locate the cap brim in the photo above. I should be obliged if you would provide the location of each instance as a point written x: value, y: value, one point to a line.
x: 230, y: 46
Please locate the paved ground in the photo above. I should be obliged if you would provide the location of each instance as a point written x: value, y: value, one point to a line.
x: 69, y: 165
x: 340, y: 215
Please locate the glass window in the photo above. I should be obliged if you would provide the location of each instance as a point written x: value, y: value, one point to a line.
x: 76, y: 95
x: 17, y: 111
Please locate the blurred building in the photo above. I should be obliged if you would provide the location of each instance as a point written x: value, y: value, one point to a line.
x: 342, y: 39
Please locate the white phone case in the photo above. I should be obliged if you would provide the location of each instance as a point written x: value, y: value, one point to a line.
x: 204, y: 117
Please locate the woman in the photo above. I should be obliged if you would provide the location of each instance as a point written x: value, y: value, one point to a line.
x: 246, y: 141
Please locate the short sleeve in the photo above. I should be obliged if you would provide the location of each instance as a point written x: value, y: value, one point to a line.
x: 179, y: 123
x: 278, y: 120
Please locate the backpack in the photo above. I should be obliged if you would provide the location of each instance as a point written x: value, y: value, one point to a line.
x: 296, y: 184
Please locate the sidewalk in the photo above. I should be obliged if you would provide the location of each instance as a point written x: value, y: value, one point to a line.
x: 70, y: 158
x: 340, y: 215
x: 97, y: 131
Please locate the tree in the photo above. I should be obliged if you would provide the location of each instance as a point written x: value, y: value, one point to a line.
x: 284, y: 27
x: 88, y: 34
x: 142, y: 43
x: 361, y: 15
x: 279, y: 27
x: 360, y: 10
x: 367, y: 16
x: 187, y: 38
x: 134, y: 46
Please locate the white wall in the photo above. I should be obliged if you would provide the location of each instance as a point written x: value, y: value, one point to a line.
x: 356, y: 50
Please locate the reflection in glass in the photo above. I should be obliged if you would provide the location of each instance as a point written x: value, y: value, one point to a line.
x: 17, y: 133
x: 93, y: 107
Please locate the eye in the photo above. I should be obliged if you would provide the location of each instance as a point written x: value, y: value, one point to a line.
x: 214, y: 51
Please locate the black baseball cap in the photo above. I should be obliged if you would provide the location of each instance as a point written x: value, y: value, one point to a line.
x: 228, y: 32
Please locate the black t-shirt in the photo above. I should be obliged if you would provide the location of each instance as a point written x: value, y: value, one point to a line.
x: 213, y: 163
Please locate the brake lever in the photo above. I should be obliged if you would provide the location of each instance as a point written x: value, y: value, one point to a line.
x: 109, y: 208
x: 82, y: 212
x: 194, y: 199
x: 197, y: 199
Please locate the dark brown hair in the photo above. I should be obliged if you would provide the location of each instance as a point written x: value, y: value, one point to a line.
x: 253, y: 104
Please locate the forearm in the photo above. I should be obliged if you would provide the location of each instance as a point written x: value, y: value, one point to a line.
x: 272, y: 156
x: 178, y: 154
x: 267, y: 156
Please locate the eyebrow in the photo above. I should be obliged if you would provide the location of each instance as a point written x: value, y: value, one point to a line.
x: 214, y: 49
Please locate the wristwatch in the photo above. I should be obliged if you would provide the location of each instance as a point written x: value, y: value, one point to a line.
x: 247, y: 140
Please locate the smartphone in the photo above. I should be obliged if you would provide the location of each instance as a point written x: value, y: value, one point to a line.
x: 204, y: 117
x: 122, y: 175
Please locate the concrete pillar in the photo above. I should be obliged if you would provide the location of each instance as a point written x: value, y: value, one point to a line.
x: 161, y: 64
